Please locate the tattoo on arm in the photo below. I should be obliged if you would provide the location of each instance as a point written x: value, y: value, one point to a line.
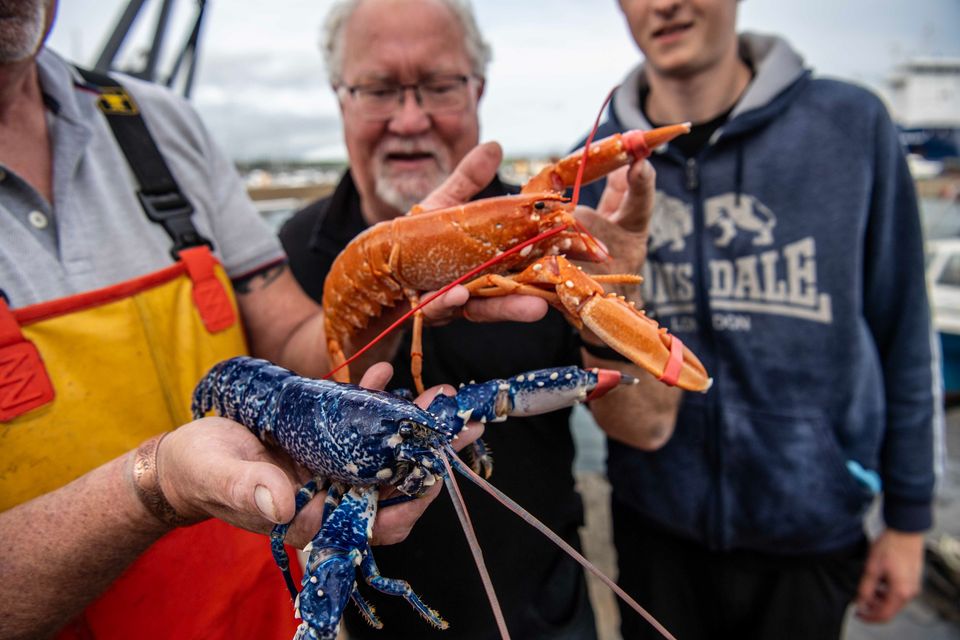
x: 258, y: 279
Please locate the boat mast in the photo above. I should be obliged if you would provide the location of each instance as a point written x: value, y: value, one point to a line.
x: 183, y: 69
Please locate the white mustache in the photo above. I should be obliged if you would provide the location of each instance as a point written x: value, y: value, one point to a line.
x: 409, y: 146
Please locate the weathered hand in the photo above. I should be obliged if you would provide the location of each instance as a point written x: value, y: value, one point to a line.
x: 215, y: 467
x: 628, y: 197
x: 891, y: 577
x: 457, y: 303
x: 474, y: 172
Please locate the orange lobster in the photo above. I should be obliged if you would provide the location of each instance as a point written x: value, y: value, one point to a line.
x: 423, y: 251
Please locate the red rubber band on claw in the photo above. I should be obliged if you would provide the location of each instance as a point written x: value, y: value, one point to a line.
x: 606, y: 379
x: 671, y: 373
x: 636, y: 146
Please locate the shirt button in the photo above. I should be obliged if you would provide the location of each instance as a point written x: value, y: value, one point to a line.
x: 37, y: 219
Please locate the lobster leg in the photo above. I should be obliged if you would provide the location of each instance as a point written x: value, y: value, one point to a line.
x: 416, y: 341
x: 496, y: 285
x: 402, y: 588
x: 366, y: 610
x: 279, y: 532
x: 481, y: 459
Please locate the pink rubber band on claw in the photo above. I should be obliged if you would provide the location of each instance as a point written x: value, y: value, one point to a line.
x: 671, y: 373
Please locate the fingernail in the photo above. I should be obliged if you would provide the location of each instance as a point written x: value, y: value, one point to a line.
x: 264, y: 500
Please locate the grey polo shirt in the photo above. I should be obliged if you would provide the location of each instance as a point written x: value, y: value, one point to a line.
x: 95, y: 232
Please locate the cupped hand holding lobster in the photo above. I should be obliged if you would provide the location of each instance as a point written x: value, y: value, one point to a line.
x: 215, y: 467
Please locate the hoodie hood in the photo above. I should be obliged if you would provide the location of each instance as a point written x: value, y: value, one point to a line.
x: 776, y: 64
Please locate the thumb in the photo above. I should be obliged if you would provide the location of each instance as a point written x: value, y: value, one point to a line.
x: 377, y: 376
x: 260, y: 489
x: 474, y: 172
x: 613, y: 193
x: 636, y: 208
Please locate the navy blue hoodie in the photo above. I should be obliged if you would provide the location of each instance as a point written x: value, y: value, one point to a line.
x: 788, y: 255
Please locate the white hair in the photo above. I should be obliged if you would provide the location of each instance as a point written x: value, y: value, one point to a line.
x: 331, y: 38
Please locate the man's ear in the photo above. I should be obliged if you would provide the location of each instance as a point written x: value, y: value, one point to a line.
x: 339, y: 99
x: 481, y: 86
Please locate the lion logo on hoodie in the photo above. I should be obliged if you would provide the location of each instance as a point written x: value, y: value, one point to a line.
x: 672, y: 221
x: 732, y: 213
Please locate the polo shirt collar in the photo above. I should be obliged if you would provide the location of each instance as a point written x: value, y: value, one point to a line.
x: 71, y: 121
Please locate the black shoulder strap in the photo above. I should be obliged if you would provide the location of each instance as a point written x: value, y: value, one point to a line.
x: 159, y: 193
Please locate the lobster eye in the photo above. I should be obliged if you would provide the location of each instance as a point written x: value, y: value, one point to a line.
x: 406, y: 429
x: 539, y: 205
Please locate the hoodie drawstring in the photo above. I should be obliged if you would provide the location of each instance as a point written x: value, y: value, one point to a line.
x: 738, y: 176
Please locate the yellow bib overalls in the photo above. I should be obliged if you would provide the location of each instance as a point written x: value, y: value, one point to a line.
x: 86, y: 378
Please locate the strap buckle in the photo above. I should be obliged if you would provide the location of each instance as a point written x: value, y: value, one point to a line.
x: 172, y: 210
x: 116, y: 101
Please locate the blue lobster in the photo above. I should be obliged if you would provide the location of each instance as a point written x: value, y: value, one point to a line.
x: 355, y: 441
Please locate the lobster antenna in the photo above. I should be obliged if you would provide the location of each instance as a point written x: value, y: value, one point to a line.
x: 492, y: 261
x: 586, y: 148
x: 583, y: 165
x: 461, y: 508
x: 557, y: 540
x: 594, y: 244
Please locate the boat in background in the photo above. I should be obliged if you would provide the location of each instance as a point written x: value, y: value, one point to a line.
x: 943, y: 280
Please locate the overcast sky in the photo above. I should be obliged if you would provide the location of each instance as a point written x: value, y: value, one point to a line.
x: 262, y: 90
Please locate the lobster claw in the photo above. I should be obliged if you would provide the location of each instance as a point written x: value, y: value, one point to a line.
x: 337, y: 552
x: 614, y: 320
x: 627, y: 329
x: 327, y: 587
x: 604, y: 156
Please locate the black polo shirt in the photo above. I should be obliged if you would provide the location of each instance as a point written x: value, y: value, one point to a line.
x: 541, y: 590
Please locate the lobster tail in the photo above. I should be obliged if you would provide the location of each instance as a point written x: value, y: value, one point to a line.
x: 206, y: 391
x: 243, y: 389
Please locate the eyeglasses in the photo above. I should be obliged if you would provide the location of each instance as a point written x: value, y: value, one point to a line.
x: 380, y: 100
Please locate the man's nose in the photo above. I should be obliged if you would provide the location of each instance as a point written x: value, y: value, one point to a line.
x: 666, y: 8
x: 410, y: 117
